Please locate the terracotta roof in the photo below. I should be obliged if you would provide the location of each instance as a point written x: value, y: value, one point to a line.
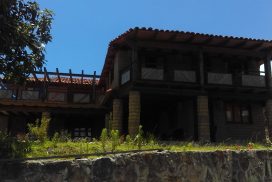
x: 182, y: 37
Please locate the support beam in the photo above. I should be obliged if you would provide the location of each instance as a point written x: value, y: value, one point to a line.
x: 267, y: 68
x: 201, y: 69
x: 117, y: 115
x: 134, y: 107
x: 203, y: 118
x: 189, y: 47
x: 58, y: 75
x: 135, y: 64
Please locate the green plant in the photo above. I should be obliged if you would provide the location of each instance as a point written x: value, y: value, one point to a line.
x: 114, y: 139
x: 39, y: 129
x: 151, y: 139
x: 103, y: 139
x: 128, y: 140
x: 139, y: 139
x: 11, y: 147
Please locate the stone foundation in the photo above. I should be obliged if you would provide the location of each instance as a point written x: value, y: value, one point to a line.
x: 148, y: 166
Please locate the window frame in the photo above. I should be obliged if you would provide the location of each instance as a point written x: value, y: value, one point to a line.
x: 240, y: 106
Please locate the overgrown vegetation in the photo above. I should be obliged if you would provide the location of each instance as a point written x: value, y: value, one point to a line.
x: 39, y: 130
x: 40, y: 145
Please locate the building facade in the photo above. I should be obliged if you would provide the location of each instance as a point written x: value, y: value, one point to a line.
x: 178, y: 86
x: 188, y: 86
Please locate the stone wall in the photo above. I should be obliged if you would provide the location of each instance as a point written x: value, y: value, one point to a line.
x: 225, y: 166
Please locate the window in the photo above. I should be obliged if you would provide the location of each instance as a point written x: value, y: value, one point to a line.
x: 82, y: 132
x: 237, y: 113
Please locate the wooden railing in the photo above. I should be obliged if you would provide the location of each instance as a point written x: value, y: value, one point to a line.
x: 152, y: 74
x: 219, y: 78
x: 184, y: 76
x: 253, y: 80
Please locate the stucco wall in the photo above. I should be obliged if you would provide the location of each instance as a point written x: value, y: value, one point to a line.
x: 225, y: 166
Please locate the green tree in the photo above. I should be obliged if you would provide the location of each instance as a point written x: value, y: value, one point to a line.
x: 24, y: 32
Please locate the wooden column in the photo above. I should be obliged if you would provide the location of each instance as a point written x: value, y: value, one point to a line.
x: 203, y: 118
x: 134, y: 112
x: 4, y: 123
x: 267, y: 68
x: 135, y: 66
x: 117, y: 115
x: 201, y: 68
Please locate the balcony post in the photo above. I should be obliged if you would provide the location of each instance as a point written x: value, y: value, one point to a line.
x: 201, y: 68
x: 135, y: 66
x: 267, y: 68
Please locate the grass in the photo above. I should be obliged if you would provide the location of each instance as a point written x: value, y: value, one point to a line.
x: 49, y: 148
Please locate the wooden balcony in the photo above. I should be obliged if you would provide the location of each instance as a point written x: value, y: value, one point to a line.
x: 219, y: 78
x: 152, y: 74
x: 184, y: 76
x: 253, y: 80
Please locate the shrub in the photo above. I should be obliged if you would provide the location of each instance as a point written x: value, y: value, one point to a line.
x: 103, y: 139
x: 39, y: 129
x: 11, y: 147
x: 139, y: 139
x: 114, y: 139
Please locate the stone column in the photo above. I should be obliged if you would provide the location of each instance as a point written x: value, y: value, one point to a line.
x: 117, y: 115
x: 134, y: 117
x: 3, y: 123
x: 203, y: 118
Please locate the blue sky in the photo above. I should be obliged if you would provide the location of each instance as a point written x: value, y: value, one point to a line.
x: 82, y: 29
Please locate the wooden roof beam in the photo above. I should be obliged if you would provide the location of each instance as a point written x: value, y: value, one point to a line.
x: 193, y: 48
x: 71, y: 76
x: 46, y: 76
x: 58, y: 75
x: 35, y: 76
x: 82, y: 75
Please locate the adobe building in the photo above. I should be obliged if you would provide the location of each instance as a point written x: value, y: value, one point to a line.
x: 178, y: 85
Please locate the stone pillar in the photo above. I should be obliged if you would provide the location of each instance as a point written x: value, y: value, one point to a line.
x: 203, y: 118
x: 117, y: 115
x: 134, y: 117
x: 3, y: 123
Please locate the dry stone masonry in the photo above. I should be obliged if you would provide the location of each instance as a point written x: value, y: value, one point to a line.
x: 233, y: 166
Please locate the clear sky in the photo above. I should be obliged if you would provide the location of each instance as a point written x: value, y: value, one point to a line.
x: 82, y: 29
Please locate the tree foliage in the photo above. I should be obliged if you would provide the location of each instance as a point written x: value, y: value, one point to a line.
x: 24, y: 32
